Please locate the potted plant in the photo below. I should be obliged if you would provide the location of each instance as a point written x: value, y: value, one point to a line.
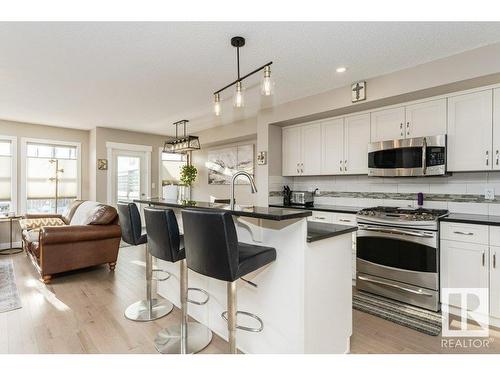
x: 188, y: 176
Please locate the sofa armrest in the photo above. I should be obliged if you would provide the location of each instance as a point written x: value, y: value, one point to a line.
x: 42, y: 216
x: 78, y: 233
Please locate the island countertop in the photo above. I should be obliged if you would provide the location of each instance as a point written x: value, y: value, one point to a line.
x: 268, y: 213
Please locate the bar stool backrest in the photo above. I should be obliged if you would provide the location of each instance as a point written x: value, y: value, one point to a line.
x: 130, y: 223
x: 164, y: 240
x: 211, y: 243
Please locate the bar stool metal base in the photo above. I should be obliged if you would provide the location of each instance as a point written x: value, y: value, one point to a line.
x: 139, y: 311
x: 168, y: 340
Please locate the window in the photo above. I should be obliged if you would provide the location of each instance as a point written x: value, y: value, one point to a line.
x: 52, y: 176
x: 8, y: 177
x: 171, y: 167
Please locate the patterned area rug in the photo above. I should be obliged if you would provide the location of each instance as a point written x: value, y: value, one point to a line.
x: 9, y: 296
x: 412, y: 317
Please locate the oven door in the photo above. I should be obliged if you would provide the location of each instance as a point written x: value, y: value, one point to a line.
x: 400, y: 254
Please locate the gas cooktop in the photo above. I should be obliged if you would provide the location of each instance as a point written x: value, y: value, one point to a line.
x: 401, y: 216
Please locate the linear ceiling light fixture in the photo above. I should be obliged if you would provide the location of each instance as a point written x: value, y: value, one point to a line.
x: 267, y: 84
x: 181, y: 144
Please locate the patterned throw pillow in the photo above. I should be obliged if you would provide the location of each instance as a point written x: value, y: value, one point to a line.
x: 30, y: 224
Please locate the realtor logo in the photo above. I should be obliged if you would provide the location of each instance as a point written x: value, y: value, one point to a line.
x: 474, y: 310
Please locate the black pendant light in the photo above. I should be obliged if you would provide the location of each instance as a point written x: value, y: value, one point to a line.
x: 181, y: 144
x: 238, y: 99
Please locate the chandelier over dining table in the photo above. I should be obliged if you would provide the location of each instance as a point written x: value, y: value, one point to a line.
x: 267, y: 84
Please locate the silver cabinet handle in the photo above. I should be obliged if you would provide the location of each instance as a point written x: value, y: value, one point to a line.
x: 401, y: 128
x: 419, y: 291
x: 408, y: 128
x: 320, y: 217
x: 487, y: 157
x: 301, y: 168
x: 298, y: 170
x: 495, y: 260
x: 345, y: 165
x: 498, y: 156
x: 341, y: 165
x: 483, y: 256
x: 464, y: 233
x: 345, y: 220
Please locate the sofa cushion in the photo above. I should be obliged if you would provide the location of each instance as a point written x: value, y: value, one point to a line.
x: 102, y: 215
x: 29, y: 224
x: 71, y: 211
x: 32, y: 235
x: 83, y: 212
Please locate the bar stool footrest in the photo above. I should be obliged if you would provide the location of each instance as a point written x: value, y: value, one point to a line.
x: 198, y: 302
x: 245, y: 328
x: 161, y: 278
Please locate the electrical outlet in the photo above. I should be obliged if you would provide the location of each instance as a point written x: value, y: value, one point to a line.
x: 489, y: 193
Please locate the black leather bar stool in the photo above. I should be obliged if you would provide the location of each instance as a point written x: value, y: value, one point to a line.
x: 212, y: 249
x: 167, y: 244
x: 150, y: 308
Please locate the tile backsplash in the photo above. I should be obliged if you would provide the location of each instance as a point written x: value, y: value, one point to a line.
x: 460, y: 192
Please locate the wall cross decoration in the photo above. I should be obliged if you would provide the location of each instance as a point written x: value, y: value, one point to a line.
x: 358, y: 91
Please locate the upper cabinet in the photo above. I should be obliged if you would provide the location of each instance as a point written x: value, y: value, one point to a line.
x: 301, y: 154
x: 332, y: 146
x: 425, y: 119
x: 356, y: 140
x: 414, y: 120
x: 387, y: 124
x: 496, y: 129
x: 470, y: 128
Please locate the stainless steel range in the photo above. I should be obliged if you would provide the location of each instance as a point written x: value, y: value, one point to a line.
x: 397, y: 254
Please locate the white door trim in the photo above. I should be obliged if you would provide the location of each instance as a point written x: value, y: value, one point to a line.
x: 110, y: 146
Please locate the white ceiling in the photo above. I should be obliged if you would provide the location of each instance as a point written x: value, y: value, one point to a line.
x: 144, y: 76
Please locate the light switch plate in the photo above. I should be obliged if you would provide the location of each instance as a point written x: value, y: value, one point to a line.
x: 489, y: 193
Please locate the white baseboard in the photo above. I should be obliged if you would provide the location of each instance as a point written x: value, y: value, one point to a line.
x: 6, y: 245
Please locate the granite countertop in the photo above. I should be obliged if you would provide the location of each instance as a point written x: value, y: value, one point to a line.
x: 268, y: 213
x: 322, y: 207
x: 472, y: 219
x: 320, y: 231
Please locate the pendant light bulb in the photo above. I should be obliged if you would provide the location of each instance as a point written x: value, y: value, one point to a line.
x: 238, y: 101
x: 217, y: 106
x: 267, y: 83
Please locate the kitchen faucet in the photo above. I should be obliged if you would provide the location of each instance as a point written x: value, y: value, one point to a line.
x: 233, y: 181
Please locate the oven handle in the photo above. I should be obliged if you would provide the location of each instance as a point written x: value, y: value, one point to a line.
x: 395, y: 231
x: 419, y: 292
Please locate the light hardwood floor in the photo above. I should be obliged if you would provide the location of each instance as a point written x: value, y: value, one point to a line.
x: 82, y: 312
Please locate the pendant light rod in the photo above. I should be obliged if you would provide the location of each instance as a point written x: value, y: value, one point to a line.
x: 244, y: 77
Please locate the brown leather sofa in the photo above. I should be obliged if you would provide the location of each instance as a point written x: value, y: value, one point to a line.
x: 87, y: 235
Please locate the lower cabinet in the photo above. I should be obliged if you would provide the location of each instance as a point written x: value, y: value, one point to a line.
x: 470, y: 259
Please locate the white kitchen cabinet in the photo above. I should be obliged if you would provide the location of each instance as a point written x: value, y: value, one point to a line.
x: 425, y: 119
x: 387, y: 124
x: 495, y: 281
x: 332, y: 146
x: 470, y: 122
x: 356, y: 140
x: 291, y: 151
x: 464, y: 265
x: 496, y: 129
x: 310, y: 150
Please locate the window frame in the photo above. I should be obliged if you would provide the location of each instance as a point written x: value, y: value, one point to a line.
x: 24, y: 154
x: 13, y: 175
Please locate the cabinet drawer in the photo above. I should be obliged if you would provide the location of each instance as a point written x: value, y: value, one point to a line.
x: 494, y: 236
x: 465, y: 232
x: 322, y: 217
x: 346, y: 219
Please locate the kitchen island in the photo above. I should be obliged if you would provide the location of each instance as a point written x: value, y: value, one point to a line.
x: 304, y: 298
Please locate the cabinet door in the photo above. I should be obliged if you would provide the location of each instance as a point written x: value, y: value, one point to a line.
x: 388, y: 124
x: 332, y: 147
x: 463, y: 265
x: 495, y: 281
x: 311, y: 149
x: 496, y: 129
x: 291, y: 151
x: 356, y: 140
x: 470, y: 121
x: 426, y: 119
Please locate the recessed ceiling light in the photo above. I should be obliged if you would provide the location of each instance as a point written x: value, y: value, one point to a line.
x: 341, y: 69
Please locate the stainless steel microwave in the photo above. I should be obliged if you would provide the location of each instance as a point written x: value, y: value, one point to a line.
x: 422, y: 156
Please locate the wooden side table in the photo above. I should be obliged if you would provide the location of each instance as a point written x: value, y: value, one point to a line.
x: 11, y: 250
